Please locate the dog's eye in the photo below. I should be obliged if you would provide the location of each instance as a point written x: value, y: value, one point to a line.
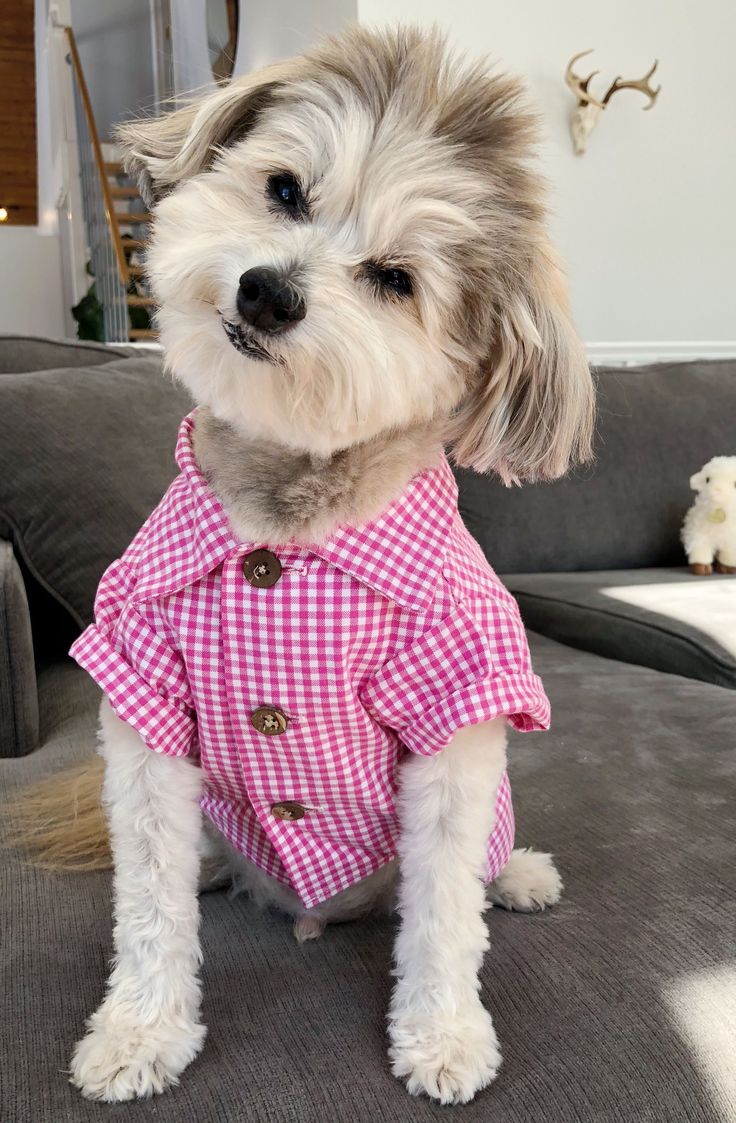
x: 392, y: 280
x: 398, y: 280
x: 286, y: 191
x: 707, y: 479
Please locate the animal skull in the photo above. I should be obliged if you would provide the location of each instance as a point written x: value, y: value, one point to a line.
x: 586, y: 114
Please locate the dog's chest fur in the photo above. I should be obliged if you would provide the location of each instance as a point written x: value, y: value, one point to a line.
x: 275, y: 494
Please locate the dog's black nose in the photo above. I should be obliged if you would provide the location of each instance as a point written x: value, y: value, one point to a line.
x: 269, y: 301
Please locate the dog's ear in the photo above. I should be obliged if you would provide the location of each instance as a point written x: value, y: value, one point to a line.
x: 161, y: 152
x: 529, y: 415
x: 697, y: 481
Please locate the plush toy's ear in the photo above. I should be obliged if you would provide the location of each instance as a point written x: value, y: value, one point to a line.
x: 697, y: 481
x: 163, y: 151
x: 530, y: 414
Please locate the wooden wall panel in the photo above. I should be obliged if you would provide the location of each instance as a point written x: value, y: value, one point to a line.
x: 18, y: 187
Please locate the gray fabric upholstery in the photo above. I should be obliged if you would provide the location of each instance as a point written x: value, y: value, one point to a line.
x: 86, y: 452
x: 656, y: 426
x: 18, y: 698
x: 612, y: 1008
x: 27, y: 353
x: 641, y: 622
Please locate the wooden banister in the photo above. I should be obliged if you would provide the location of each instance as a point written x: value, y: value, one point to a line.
x: 117, y: 241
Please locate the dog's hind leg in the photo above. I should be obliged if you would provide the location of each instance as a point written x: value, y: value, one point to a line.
x: 528, y: 883
x: 147, y: 1029
x: 215, y: 860
x: 442, y: 1038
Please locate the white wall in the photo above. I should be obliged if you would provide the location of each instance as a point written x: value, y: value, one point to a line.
x: 114, y: 41
x: 30, y: 282
x: 266, y: 31
x: 270, y: 30
x: 645, y: 219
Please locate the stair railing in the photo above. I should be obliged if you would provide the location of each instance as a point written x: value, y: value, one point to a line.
x: 109, y: 263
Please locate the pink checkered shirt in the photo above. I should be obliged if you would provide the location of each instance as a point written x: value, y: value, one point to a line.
x: 386, y: 638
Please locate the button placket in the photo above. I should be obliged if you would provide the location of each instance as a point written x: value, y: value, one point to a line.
x: 262, y: 569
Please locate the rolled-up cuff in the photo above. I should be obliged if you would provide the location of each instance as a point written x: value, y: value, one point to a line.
x: 518, y: 698
x: 163, y: 724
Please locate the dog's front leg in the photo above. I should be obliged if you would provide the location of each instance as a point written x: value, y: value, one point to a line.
x: 442, y: 1038
x: 147, y: 1029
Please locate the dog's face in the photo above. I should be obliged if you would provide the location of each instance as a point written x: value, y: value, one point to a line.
x: 351, y: 242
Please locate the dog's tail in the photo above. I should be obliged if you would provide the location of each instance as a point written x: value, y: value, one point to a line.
x: 59, y: 823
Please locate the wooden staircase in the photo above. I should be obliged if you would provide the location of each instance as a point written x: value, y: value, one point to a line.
x: 117, y: 244
x: 125, y: 194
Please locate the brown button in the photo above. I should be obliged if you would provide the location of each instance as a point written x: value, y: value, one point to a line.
x: 288, y: 810
x: 269, y: 719
x: 261, y: 568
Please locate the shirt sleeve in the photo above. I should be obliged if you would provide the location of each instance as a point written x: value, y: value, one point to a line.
x: 471, y: 667
x: 134, y: 662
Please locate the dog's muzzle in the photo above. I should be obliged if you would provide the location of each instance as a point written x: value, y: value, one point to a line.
x: 244, y: 341
x: 269, y: 302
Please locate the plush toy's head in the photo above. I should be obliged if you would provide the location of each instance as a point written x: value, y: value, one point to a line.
x: 353, y: 241
x: 717, y: 479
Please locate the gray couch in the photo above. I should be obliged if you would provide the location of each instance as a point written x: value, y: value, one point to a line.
x: 612, y: 1007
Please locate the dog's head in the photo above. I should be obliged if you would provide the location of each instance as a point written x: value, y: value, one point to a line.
x: 353, y: 241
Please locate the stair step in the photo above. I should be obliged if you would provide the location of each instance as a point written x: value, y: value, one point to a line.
x: 141, y: 302
x: 133, y: 218
x: 118, y: 192
x: 135, y: 243
x: 142, y: 333
x: 114, y: 167
x: 136, y: 270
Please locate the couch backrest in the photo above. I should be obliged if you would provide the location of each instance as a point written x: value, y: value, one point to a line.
x: 86, y: 452
x: 656, y: 426
x: 23, y: 353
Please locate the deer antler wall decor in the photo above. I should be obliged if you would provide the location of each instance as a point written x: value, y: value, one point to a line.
x: 589, y: 108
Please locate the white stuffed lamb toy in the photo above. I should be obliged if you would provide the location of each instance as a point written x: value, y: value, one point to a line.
x: 709, y: 529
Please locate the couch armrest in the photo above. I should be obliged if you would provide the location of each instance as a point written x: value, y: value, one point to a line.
x: 18, y: 691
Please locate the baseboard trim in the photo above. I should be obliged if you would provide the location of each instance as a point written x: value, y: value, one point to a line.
x: 630, y: 354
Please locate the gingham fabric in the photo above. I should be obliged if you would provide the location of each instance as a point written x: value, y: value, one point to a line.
x: 388, y: 637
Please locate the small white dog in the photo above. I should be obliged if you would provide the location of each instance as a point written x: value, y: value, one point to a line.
x: 709, y: 528
x: 352, y: 272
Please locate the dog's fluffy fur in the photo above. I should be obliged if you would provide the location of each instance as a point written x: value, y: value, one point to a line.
x: 407, y: 160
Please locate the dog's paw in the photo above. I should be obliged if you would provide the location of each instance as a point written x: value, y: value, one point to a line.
x: 449, y: 1058
x: 308, y: 928
x: 528, y: 883
x: 117, y: 1062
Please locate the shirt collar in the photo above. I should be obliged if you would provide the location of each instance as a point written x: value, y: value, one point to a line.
x: 399, y: 553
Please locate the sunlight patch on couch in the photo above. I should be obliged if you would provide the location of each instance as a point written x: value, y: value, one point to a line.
x: 706, y: 603
x: 703, y: 1005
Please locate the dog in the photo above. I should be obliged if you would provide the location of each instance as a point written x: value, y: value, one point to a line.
x: 353, y: 280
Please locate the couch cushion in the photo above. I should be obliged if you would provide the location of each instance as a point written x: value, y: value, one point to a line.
x: 662, y: 618
x: 85, y: 454
x: 27, y: 352
x: 18, y: 701
x: 656, y: 426
x: 616, y: 1006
